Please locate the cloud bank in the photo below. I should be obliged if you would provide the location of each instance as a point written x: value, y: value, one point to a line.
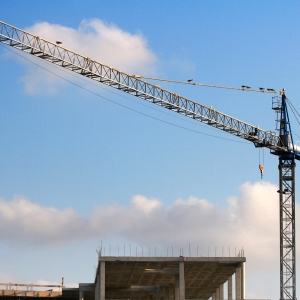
x: 101, y: 41
x: 249, y: 219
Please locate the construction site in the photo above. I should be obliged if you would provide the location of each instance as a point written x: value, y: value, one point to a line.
x: 174, y: 278
x: 182, y: 277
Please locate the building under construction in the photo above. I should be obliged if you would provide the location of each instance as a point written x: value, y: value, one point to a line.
x: 167, y: 278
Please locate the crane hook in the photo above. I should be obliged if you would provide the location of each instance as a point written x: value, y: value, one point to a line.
x: 261, y: 168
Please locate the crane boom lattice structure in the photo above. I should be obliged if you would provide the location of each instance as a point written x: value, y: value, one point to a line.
x: 280, y: 145
x: 287, y: 228
x: 130, y: 84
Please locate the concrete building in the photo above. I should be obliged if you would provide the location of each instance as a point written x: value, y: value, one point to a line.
x: 155, y: 278
x: 167, y: 278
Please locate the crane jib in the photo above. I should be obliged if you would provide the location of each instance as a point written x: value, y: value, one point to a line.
x: 92, y: 69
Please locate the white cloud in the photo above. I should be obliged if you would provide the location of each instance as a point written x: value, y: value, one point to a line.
x: 27, y: 222
x: 96, y: 39
x: 145, y: 205
x: 249, y: 220
x: 40, y: 82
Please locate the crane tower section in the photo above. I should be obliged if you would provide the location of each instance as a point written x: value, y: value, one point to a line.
x: 286, y: 199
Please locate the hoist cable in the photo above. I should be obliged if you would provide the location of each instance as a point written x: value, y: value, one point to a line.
x: 293, y: 108
x: 290, y: 102
x: 296, y: 134
x: 293, y: 111
x: 243, y: 88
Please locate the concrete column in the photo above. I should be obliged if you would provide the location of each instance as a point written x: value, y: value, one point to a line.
x: 238, y: 283
x: 181, y: 281
x: 243, y: 279
x: 171, y: 292
x: 229, y: 287
x: 213, y: 296
x: 81, y: 295
x: 97, y: 288
x: 157, y: 292
x: 101, y: 287
x: 217, y: 293
x: 166, y: 293
x: 176, y: 288
x: 221, y: 292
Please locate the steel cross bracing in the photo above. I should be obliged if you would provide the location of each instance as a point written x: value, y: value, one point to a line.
x: 287, y: 228
x: 87, y: 67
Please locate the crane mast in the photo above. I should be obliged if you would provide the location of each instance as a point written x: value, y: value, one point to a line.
x: 286, y: 202
x: 281, y: 145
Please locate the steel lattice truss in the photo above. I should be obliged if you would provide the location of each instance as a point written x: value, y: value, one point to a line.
x: 287, y: 229
x: 130, y: 84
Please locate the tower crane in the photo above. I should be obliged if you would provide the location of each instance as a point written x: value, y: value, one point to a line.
x: 280, y: 144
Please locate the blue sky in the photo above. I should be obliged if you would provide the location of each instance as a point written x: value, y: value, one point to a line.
x: 77, y: 169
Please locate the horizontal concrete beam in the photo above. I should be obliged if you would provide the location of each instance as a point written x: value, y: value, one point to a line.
x: 142, y: 288
x: 171, y: 271
x: 173, y: 259
x: 86, y: 287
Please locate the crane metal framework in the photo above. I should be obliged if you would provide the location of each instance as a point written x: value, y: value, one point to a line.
x: 280, y: 144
